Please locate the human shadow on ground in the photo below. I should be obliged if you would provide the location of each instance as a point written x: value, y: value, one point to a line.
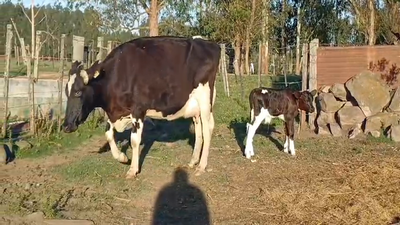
x: 239, y: 128
x: 181, y: 203
x: 160, y: 131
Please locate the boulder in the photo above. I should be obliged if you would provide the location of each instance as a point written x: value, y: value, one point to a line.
x: 394, y: 133
x: 328, y: 102
x: 350, y: 115
x: 335, y: 129
x: 354, y: 131
x: 370, y: 92
x: 323, y: 130
x: 395, y: 103
x: 374, y: 133
x: 339, y: 91
x: 325, y: 89
x: 3, y: 154
x: 325, y: 118
x: 381, y: 121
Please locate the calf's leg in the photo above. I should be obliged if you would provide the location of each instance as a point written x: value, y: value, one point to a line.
x: 292, y: 149
x: 286, y: 145
x: 136, y: 137
x: 251, y: 131
x: 116, y: 153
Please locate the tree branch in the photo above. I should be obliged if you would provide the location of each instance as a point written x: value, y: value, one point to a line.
x: 26, y: 15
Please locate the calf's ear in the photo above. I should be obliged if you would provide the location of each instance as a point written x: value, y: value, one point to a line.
x: 297, y: 94
x: 313, y: 92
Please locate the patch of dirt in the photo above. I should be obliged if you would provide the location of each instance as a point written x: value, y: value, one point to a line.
x: 329, y: 181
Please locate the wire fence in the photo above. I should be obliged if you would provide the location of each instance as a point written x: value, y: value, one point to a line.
x: 32, y: 86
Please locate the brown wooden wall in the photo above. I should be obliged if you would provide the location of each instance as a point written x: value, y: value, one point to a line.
x: 338, y: 64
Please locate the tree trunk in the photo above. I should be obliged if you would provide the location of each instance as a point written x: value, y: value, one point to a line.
x: 265, y: 38
x: 153, y: 18
x: 248, y: 39
x: 371, y: 32
x: 298, y: 40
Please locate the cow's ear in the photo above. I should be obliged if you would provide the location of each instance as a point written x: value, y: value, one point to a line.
x: 297, y: 94
x: 313, y: 92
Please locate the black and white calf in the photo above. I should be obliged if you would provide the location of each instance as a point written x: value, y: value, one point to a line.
x: 268, y: 103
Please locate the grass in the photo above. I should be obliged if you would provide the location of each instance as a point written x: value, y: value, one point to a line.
x: 330, y: 181
x: 20, y: 70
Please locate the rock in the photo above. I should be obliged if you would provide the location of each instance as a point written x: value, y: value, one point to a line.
x: 335, y: 129
x: 323, y: 130
x: 325, y: 89
x: 328, y: 102
x: 394, y: 133
x: 395, y: 103
x: 355, y: 131
x: 24, y: 144
x: 339, y: 91
x: 325, y: 118
x: 381, y: 121
x: 350, y: 115
x: 35, y: 217
x: 370, y: 92
x: 350, y: 103
x: 374, y: 133
x: 3, y: 154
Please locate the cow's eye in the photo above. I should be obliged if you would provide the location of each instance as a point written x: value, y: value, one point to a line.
x: 78, y: 94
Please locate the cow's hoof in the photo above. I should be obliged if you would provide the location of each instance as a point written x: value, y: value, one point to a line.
x: 123, y: 158
x: 199, y: 171
x: 131, y: 174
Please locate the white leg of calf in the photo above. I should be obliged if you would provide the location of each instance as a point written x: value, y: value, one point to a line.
x: 198, y: 142
x: 251, y: 131
x: 286, y: 145
x: 291, y: 147
x: 136, y: 136
x: 116, y: 153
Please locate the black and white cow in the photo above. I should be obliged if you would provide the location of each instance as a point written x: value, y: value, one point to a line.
x: 268, y: 103
x: 157, y: 77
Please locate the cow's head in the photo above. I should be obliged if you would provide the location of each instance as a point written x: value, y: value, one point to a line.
x: 305, y: 100
x: 80, y: 94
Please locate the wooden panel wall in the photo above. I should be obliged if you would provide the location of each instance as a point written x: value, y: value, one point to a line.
x: 338, y: 64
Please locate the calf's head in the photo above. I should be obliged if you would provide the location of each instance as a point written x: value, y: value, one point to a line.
x: 305, y: 100
x: 80, y: 95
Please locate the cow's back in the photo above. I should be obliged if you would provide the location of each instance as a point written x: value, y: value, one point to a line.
x: 158, y: 72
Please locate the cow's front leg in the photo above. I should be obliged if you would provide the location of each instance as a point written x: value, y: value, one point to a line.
x: 251, y: 131
x: 136, y: 136
x: 292, y: 149
x: 116, y: 153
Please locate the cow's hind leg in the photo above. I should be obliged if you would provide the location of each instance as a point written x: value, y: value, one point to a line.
x: 116, y: 153
x: 136, y: 136
x: 198, y: 142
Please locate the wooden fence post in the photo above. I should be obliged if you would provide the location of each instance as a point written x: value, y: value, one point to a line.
x: 222, y: 59
x: 36, y: 55
x: 313, y: 76
x: 78, y: 43
x: 259, y: 63
x: 100, y: 46
x: 109, y: 46
x: 9, y: 36
x: 61, y: 80
x: 304, y: 80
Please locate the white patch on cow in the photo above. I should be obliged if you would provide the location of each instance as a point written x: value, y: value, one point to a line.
x: 136, y: 138
x: 286, y: 145
x: 291, y: 147
x: 265, y: 116
x: 71, y: 82
x: 122, y: 124
x: 191, y: 107
x: 264, y: 91
x: 116, y: 153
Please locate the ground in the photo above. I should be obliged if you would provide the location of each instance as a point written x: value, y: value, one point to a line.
x: 330, y: 181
